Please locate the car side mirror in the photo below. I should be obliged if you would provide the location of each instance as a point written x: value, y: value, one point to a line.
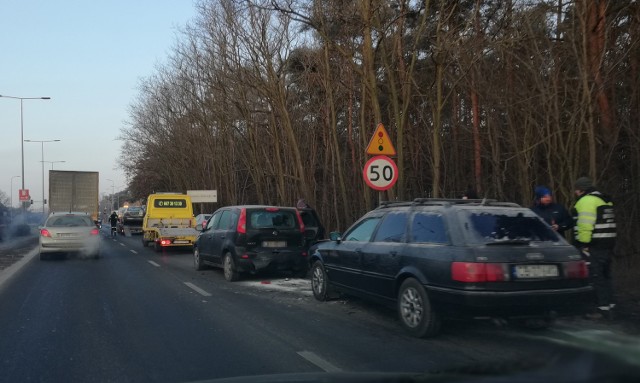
x: 335, y: 236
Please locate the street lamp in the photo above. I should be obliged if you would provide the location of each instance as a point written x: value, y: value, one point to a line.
x: 53, y: 162
x: 22, y: 129
x: 11, y: 203
x: 42, y: 153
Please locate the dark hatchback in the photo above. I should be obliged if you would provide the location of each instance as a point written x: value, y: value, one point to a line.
x: 248, y: 239
x: 437, y: 259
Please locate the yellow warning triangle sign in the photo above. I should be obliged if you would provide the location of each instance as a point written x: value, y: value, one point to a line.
x: 381, y: 143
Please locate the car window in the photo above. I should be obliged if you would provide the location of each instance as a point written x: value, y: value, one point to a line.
x: 428, y: 228
x: 265, y: 219
x: 363, y: 231
x: 225, y: 221
x: 500, y: 226
x: 69, y: 221
x: 214, y: 220
x: 393, y: 228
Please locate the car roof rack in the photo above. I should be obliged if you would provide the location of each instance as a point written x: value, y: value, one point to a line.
x: 448, y: 202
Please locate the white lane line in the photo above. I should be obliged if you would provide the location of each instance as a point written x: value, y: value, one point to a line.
x: 133, y: 251
x: 197, y: 289
x: 153, y: 263
x: 122, y: 244
x: 318, y: 361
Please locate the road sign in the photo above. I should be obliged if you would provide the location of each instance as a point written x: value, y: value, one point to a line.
x: 380, y: 173
x: 198, y: 196
x: 380, y: 143
x: 24, y: 195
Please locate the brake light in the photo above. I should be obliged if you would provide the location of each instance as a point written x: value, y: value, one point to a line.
x: 272, y: 209
x: 576, y: 270
x: 95, y: 231
x: 165, y: 242
x: 242, y: 222
x: 471, y: 272
x: 45, y: 233
x: 300, y: 222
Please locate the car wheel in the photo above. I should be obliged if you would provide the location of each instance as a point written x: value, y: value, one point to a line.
x: 229, y: 267
x: 414, y: 308
x: 320, y: 282
x: 197, y: 259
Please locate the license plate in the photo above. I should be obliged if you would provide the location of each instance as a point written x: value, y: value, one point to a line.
x: 274, y: 243
x: 536, y: 271
x: 68, y: 235
x: 179, y: 241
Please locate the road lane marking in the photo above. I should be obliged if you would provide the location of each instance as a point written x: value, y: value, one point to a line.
x: 122, y: 244
x: 318, y: 361
x: 197, y: 289
x: 133, y: 251
x: 153, y: 263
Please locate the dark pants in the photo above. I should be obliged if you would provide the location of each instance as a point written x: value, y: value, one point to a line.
x: 600, y: 273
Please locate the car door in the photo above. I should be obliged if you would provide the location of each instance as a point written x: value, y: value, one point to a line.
x: 343, y: 261
x: 221, y: 234
x: 381, y: 258
x: 206, y: 237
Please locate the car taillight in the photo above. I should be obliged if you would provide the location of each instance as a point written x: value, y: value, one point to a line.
x: 300, y: 222
x: 45, y: 233
x: 165, y: 242
x: 272, y: 209
x: 242, y: 222
x: 95, y: 231
x: 479, y: 272
x: 576, y: 270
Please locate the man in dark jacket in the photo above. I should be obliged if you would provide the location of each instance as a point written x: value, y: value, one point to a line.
x: 595, y: 236
x: 553, y: 213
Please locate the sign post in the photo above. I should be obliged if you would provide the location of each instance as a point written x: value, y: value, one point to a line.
x: 380, y: 172
x: 24, y: 195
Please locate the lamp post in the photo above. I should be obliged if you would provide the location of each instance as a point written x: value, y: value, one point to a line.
x: 22, y: 129
x: 42, y: 142
x: 11, y: 203
x: 53, y: 162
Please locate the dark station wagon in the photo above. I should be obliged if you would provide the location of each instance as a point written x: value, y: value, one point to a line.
x: 434, y: 259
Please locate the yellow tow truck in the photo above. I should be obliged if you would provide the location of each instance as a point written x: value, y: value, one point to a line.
x: 169, y: 221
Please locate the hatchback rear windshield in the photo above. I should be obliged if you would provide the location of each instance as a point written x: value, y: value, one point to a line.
x: 265, y: 219
x: 134, y: 210
x: 69, y: 221
x: 505, y: 226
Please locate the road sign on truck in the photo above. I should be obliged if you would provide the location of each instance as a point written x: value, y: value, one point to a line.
x: 74, y: 191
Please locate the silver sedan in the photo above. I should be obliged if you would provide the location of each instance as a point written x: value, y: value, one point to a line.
x: 72, y: 232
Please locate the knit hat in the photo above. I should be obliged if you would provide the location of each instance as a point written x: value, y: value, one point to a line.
x: 541, y: 191
x: 583, y: 183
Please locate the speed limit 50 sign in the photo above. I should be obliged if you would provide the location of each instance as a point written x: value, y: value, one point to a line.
x: 380, y: 173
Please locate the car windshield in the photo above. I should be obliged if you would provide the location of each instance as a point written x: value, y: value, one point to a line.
x: 505, y: 226
x: 69, y: 221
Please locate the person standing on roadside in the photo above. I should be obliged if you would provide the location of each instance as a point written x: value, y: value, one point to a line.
x: 595, y: 236
x: 553, y: 213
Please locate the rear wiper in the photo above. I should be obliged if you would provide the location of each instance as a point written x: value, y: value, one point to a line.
x: 509, y: 242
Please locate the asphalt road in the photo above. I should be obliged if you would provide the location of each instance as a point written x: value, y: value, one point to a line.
x: 136, y: 315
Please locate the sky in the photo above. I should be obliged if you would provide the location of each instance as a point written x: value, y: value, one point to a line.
x: 89, y: 56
